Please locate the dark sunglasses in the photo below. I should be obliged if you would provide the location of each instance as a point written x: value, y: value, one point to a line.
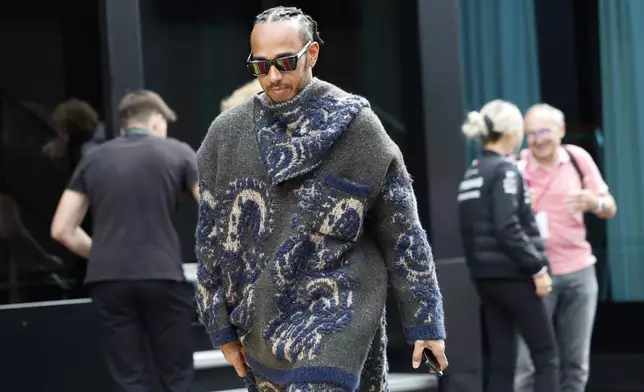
x: 283, y: 64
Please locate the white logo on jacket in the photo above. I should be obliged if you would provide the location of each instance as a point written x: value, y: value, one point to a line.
x: 510, y: 183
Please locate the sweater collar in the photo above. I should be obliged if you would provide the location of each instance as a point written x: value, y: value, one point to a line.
x: 313, y: 88
x: 295, y: 136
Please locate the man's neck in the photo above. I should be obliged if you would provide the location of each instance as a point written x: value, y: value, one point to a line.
x: 549, y: 161
x: 140, y: 129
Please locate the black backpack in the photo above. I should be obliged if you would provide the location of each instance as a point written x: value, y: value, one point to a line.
x: 596, y: 237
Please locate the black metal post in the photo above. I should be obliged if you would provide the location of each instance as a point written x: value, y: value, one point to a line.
x: 122, y: 55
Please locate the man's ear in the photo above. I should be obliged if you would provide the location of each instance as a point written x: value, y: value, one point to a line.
x: 314, y: 52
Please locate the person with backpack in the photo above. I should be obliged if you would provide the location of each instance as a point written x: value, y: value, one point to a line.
x: 565, y: 184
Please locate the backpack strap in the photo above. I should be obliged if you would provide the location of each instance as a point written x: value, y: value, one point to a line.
x: 575, y: 164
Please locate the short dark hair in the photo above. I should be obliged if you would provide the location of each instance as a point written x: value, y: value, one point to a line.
x: 75, y: 117
x: 138, y: 106
x: 75, y: 122
x: 308, y: 26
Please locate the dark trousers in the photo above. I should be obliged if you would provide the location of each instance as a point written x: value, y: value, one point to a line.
x: 140, y: 314
x: 510, y: 306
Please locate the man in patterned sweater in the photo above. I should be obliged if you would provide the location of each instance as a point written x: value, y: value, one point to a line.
x: 306, y: 213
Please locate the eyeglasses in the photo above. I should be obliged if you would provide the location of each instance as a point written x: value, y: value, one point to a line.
x: 283, y: 64
x: 539, y: 134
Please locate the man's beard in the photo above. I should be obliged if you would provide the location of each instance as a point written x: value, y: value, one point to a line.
x: 302, y: 83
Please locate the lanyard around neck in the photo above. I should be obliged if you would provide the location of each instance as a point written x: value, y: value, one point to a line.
x: 554, y: 173
x: 136, y: 131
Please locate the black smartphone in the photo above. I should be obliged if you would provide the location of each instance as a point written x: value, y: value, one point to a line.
x: 431, y: 362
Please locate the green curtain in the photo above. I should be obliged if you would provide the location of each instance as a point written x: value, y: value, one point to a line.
x: 622, y: 71
x: 500, y: 55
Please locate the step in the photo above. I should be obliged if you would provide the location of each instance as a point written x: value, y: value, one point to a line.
x: 209, y: 359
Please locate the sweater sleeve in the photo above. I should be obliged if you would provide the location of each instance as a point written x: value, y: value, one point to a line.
x: 408, y: 256
x: 211, y: 294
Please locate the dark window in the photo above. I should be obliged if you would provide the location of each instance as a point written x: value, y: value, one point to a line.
x: 52, y: 54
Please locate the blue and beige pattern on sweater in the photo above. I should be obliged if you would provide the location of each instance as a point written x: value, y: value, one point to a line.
x: 306, y: 213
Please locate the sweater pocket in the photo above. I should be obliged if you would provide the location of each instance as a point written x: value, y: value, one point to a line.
x: 334, y: 208
x: 344, y: 210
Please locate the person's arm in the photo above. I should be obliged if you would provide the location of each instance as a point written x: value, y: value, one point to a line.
x: 211, y: 291
x: 598, y: 199
x: 606, y: 206
x: 408, y: 257
x: 65, y: 227
x: 409, y: 260
x: 194, y: 191
x: 72, y: 208
x: 507, y: 187
x: 190, y: 172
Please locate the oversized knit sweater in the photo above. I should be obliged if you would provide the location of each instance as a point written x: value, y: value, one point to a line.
x: 306, y: 213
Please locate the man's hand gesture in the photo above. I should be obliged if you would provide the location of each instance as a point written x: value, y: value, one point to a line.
x: 236, y: 356
x: 437, y: 347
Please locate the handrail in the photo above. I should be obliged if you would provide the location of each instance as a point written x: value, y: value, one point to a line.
x: 190, y: 272
x: 14, y: 100
x: 209, y: 360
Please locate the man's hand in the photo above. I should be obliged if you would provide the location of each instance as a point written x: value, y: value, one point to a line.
x: 543, y: 284
x: 437, y: 347
x: 582, y: 201
x: 236, y: 356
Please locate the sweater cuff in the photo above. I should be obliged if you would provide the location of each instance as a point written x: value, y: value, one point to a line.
x: 223, y: 336
x: 426, y: 332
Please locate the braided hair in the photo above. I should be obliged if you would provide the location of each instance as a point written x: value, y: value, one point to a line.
x: 308, y: 26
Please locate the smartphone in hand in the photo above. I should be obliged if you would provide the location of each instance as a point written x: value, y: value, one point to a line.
x: 431, y: 362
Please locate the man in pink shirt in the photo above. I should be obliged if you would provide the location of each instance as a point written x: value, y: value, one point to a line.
x: 565, y: 183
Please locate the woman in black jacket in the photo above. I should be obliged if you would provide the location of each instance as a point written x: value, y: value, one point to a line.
x: 504, y: 252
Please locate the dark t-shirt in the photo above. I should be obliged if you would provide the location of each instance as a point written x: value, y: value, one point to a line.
x: 133, y: 184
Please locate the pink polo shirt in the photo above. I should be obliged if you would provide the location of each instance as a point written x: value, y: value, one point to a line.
x: 566, y: 245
